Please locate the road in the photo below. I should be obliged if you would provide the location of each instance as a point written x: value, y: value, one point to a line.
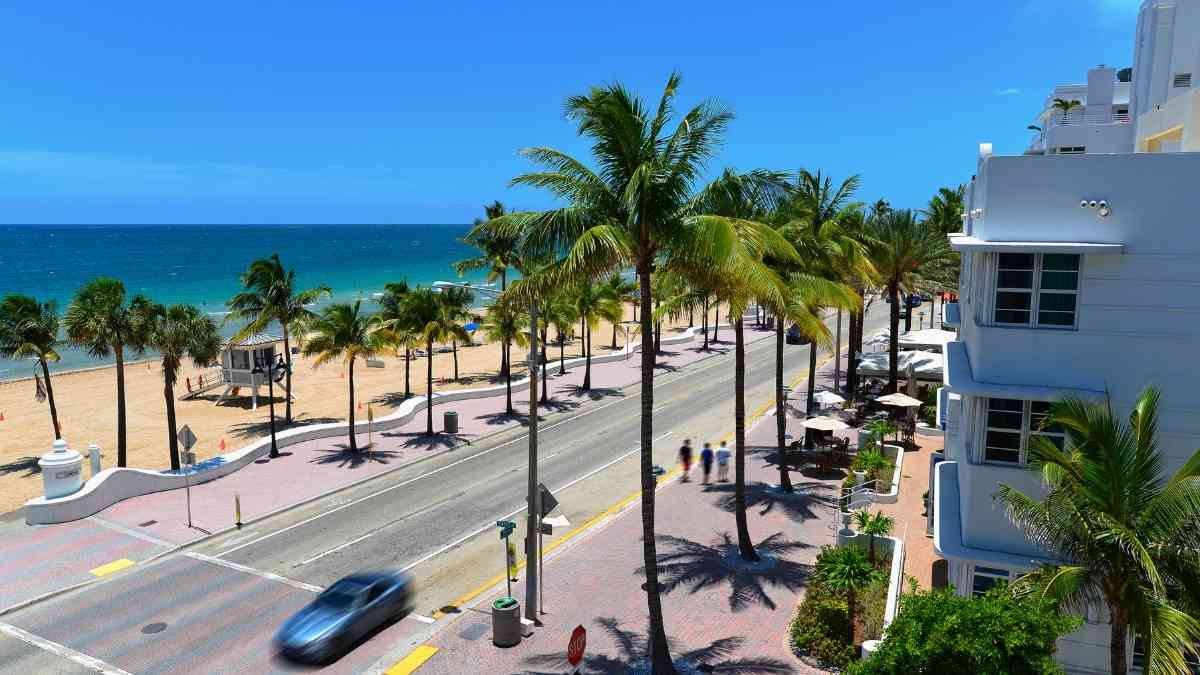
x: 435, y: 519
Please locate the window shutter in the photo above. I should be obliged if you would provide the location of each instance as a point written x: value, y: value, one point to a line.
x: 1183, y: 80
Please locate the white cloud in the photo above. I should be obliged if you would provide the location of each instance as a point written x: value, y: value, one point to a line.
x: 1011, y: 91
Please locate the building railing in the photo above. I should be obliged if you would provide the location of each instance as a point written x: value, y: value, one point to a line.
x: 1076, y: 118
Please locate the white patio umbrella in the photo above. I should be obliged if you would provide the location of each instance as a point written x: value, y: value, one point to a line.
x: 825, y: 424
x: 900, y: 400
x: 827, y: 398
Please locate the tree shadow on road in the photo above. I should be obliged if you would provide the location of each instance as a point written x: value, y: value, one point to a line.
x: 595, y: 393
x: 341, y: 455
x: 700, y: 567
x: 502, y: 417
x: 556, y: 405
x: 633, y: 650
x: 423, y: 441
x: 798, y: 505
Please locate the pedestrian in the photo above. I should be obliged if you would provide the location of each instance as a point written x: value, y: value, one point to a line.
x: 706, y: 460
x: 723, y: 463
x: 685, y: 458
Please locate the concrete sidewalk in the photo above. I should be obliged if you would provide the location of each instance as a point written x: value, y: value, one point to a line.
x: 718, y: 614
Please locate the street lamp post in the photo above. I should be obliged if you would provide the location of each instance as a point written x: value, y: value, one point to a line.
x: 533, y: 497
x: 269, y: 370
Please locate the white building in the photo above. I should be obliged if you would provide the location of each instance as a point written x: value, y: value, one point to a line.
x: 1080, y: 276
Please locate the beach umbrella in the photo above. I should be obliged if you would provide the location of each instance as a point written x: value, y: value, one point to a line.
x: 825, y: 424
x: 828, y: 398
x: 471, y: 327
x: 899, y: 400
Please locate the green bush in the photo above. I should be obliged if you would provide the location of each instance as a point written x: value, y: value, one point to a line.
x: 940, y: 632
x: 818, y: 627
x: 872, y: 606
x: 875, y: 464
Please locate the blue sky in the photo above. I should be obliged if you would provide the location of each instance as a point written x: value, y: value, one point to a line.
x: 297, y: 112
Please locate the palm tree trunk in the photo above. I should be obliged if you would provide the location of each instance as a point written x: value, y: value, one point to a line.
x: 614, y: 340
x: 907, y: 311
x: 704, y: 324
x: 454, y: 347
x: 745, y: 546
x: 508, y: 407
x: 1118, y: 634
x: 893, y: 339
x: 851, y: 362
x: 837, y: 354
x: 691, y: 317
x: 717, y: 321
x: 562, y: 354
x: 353, y: 440
x: 50, y: 396
x: 812, y: 390
x: 660, y: 654
x: 657, y: 331
x: 407, y: 362
x: 287, y: 356
x: 119, y: 350
x: 429, y: 389
x: 587, y: 358
x: 785, y: 479
x: 172, y: 431
x: 545, y: 398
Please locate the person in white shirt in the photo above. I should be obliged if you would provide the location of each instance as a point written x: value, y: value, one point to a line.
x: 723, y: 463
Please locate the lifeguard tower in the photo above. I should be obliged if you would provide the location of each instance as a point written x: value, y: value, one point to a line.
x: 239, y: 361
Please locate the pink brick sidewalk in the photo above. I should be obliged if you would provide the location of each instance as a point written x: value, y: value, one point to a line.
x: 314, y: 467
x: 715, y: 615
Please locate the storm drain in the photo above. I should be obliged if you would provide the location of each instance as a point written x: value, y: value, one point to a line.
x: 152, y: 628
x: 148, y: 523
x: 474, y: 631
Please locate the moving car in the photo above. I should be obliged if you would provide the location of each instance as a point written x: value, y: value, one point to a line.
x: 794, y: 337
x: 343, y: 614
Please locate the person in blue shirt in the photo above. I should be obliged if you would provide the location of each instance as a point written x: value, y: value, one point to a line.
x: 706, y: 461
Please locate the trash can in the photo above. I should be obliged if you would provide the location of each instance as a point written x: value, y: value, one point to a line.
x: 450, y: 422
x: 506, y: 622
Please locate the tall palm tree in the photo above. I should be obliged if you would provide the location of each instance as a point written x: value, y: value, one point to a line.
x: 269, y: 294
x: 505, y: 323
x: 617, y: 287
x: 592, y: 305
x: 455, y: 304
x: 100, y: 319
x: 425, y: 314
x: 176, y: 332
x: 29, y: 329
x: 945, y: 209
x: 497, y: 253
x: 395, y: 319
x: 561, y: 314
x: 908, y: 255
x: 816, y: 201
x: 1127, y: 534
x: 344, y: 332
x: 631, y: 212
x: 846, y: 570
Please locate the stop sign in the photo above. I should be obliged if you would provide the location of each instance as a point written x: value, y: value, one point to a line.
x: 576, y: 646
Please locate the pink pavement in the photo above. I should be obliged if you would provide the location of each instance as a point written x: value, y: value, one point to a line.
x: 309, y: 469
x: 716, y: 614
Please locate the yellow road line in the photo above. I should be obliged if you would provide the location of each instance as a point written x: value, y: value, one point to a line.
x: 415, y: 659
x: 114, y: 566
x: 494, y: 581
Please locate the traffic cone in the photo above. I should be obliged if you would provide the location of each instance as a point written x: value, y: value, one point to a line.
x: 222, y: 446
x: 1, y: 417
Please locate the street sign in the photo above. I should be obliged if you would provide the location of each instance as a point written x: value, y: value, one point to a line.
x: 186, y: 437
x: 506, y: 527
x: 576, y: 646
x: 549, y: 503
x: 189, y: 458
x: 545, y: 528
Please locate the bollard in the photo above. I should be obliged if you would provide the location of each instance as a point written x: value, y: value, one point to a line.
x: 94, y: 457
x: 237, y: 509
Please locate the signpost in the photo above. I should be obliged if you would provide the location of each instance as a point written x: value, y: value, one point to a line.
x: 506, y: 529
x: 188, y: 440
x: 548, y: 504
x: 575, y: 647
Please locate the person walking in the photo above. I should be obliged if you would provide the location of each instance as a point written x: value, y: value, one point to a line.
x: 723, y: 463
x: 685, y: 458
x: 706, y: 460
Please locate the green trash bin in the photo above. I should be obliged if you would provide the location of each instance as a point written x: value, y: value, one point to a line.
x: 450, y: 422
x: 506, y: 622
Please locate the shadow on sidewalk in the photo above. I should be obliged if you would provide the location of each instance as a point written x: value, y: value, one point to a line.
x: 701, y: 567
x: 634, y: 646
x: 341, y: 455
x: 595, y: 393
x: 797, y: 506
x: 263, y: 428
x: 424, y: 441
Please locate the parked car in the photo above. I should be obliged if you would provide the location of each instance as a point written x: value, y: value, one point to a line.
x: 795, y: 337
x: 914, y: 300
x: 343, y: 614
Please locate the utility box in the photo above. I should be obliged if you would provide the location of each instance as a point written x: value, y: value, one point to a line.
x: 450, y: 422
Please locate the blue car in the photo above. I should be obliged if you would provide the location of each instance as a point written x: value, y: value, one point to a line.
x: 343, y: 614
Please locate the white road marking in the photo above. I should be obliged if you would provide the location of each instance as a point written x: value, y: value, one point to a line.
x: 237, y: 540
x: 89, y: 662
x: 423, y: 619
x: 547, y: 457
x: 117, y: 527
x: 250, y: 570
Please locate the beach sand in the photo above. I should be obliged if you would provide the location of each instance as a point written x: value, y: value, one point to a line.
x: 86, y: 403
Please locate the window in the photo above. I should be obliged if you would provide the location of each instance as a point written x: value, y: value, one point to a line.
x: 1183, y: 80
x: 1072, y: 149
x: 985, y: 578
x: 1038, y: 289
x: 239, y: 359
x: 1010, y: 424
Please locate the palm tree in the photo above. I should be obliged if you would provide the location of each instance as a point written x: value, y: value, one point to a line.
x: 632, y: 212
x: 561, y: 314
x: 1065, y: 105
x: 100, y: 319
x: 176, y: 332
x: 505, y: 323
x: 591, y: 305
x: 873, y: 525
x: 269, y: 294
x: 617, y: 287
x: 455, y: 304
x: 29, y: 329
x: 344, y: 332
x: 435, y: 324
x: 846, y: 570
x: 497, y: 253
x: 1126, y: 533
x: 908, y: 256
x: 396, y: 320
x: 946, y: 208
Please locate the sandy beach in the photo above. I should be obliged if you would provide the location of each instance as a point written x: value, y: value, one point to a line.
x: 86, y: 403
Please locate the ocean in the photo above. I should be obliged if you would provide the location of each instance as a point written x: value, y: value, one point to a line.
x: 200, y: 264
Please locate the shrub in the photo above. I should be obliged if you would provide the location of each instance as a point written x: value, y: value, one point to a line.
x: 819, y: 625
x: 872, y: 607
x: 998, y: 634
x: 874, y: 463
